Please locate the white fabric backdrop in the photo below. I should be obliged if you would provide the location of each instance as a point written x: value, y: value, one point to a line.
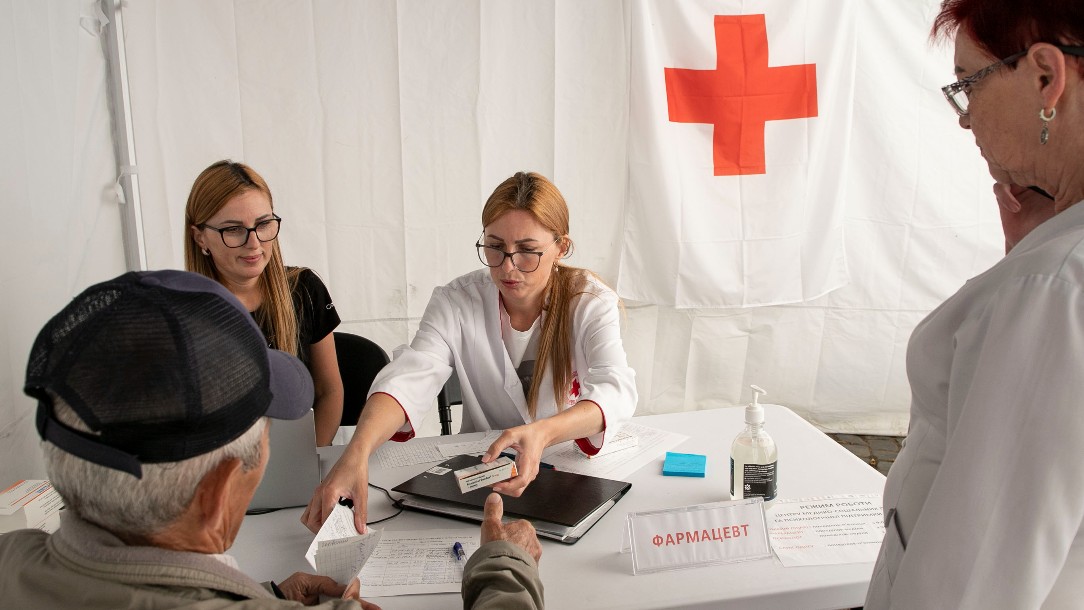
x: 766, y: 227
x: 60, y: 230
x: 381, y: 128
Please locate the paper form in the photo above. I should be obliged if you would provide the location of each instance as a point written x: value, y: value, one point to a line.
x: 338, y: 550
x: 651, y: 444
x: 469, y: 447
x: 826, y: 530
x: 421, y: 451
x: 410, y: 563
x: 393, y: 455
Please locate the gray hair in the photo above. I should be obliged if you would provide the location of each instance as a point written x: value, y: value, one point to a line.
x: 131, y: 507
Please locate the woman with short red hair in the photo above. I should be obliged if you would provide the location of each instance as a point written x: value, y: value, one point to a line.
x: 985, y: 503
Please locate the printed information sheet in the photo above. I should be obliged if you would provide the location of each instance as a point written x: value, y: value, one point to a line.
x: 826, y: 530
x: 430, y: 449
x: 651, y: 444
x: 407, y: 563
x: 391, y: 563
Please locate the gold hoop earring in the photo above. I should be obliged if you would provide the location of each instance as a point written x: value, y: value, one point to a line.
x: 1044, y: 135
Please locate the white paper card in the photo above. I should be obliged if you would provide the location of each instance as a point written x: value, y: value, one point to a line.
x: 827, y: 530
x: 703, y: 534
x: 338, y: 550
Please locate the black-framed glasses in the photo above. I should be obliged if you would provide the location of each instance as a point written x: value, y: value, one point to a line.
x: 958, y: 93
x: 492, y: 256
x: 237, y: 236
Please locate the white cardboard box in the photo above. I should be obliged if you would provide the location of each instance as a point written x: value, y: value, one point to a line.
x: 480, y: 475
x: 30, y: 504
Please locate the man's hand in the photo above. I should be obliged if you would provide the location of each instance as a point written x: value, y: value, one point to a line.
x: 1022, y: 209
x: 307, y: 588
x: 518, y: 532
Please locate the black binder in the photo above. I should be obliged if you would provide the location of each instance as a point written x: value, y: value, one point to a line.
x: 561, y: 505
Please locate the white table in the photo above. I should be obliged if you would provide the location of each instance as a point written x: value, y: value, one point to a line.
x: 593, y: 573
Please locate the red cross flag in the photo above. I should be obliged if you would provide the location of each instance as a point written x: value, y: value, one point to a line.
x: 740, y: 118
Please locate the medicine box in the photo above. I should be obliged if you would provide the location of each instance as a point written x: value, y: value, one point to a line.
x: 481, y: 475
x: 30, y: 504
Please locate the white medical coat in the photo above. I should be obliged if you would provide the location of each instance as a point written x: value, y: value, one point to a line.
x: 987, y: 495
x: 461, y: 329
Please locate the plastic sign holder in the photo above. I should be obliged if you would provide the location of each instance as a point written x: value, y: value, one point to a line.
x: 693, y: 536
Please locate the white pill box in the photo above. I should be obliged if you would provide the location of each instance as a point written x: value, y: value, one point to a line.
x: 480, y: 475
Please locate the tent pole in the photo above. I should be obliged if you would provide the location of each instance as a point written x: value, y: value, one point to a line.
x: 120, y: 103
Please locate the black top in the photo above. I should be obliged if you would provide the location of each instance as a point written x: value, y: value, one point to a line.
x: 316, y: 315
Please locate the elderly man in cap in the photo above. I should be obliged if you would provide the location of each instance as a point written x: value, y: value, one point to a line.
x: 153, y: 392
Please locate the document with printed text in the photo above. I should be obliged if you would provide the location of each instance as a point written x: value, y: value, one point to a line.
x: 826, y: 530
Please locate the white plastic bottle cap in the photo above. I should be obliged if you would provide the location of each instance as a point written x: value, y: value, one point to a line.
x: 754, y: 413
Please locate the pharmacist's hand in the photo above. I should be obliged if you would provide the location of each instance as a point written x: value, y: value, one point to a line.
x: 528, y: 442
x: 349, y: 478
x: 519, y: 532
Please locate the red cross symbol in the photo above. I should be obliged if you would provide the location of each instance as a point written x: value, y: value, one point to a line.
x: 741, y: 94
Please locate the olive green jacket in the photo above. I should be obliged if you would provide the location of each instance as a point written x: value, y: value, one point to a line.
x: 84, y: 566
x: 501, y: 575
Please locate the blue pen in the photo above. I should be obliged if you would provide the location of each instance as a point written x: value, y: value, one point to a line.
x: 540, y: 464
x: 457, y: 550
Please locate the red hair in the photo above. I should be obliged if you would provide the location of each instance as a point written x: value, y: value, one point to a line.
x: 1004, y: 27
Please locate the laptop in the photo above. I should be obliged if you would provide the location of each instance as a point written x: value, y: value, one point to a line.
x: 293, y: 472
x: 562, y: 506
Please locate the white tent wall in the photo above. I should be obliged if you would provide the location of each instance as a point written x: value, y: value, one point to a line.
x: 381, y: 128
x: 61, y: 228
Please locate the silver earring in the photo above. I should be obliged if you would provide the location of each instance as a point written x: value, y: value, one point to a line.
x: 205, y: 252
x: 1044, y: 135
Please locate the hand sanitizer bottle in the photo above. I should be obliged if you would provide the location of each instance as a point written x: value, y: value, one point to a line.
x: 753, y: 457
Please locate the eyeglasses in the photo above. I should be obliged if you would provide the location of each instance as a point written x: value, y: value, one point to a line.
x: 958, y: 93
x: 237, y: 236
x: 492, y: 256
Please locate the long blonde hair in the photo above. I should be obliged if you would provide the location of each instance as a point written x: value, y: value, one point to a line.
x: 536, y: 195
x: 213, y: 188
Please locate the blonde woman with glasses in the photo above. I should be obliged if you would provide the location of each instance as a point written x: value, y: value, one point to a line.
x: 536, y: 345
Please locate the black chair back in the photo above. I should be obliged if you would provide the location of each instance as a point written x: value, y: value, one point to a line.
x: 359, y: 361
x: 449, y: 395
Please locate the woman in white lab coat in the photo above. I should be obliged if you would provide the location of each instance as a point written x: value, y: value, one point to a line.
x: 984, y: 505
x: 536, y: 345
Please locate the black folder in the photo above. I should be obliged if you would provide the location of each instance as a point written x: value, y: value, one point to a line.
x: 561, y: 505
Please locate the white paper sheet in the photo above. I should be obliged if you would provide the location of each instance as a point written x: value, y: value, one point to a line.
x: 469, y: 447
x: 409, y: 563
x: 826, y: 530
x: 651, y: 444
x: 393, y: 455
x: 338, y: 550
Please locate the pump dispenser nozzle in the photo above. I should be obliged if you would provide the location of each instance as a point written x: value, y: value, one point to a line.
x: 754, y: 413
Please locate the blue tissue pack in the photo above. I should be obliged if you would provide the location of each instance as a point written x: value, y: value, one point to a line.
x: 684, y: 465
